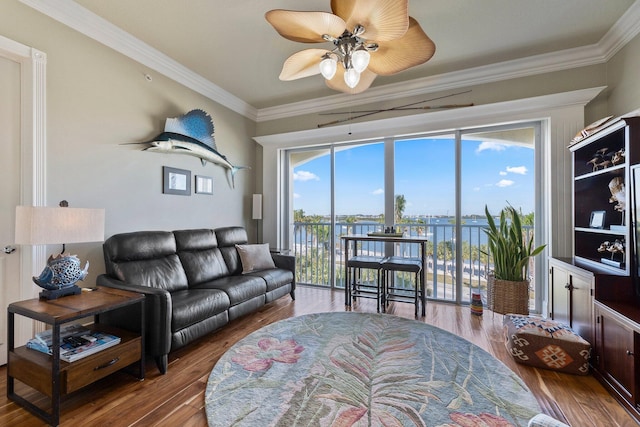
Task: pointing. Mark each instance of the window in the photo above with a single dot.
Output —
(435, 185)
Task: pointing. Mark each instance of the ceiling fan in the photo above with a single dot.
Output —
(370, 38)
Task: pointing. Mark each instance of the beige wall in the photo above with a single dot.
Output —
(623, 77)
(97, 100)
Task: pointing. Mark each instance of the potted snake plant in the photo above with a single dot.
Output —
(511, 250)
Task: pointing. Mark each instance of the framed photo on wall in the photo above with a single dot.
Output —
(204, 184)
(176, 181)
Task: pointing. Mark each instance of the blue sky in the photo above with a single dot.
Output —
(492, 174)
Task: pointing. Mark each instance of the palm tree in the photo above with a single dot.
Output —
(399, 206)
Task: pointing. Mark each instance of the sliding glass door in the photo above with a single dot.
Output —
(433, 185)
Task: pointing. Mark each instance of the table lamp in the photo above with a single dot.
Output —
(39, 225)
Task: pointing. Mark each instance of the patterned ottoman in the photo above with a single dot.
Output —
(547, 344)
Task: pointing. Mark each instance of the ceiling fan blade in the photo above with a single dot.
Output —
(337, 82)
(383, 20)
(414, 48)
(305, 27)
(302, 64)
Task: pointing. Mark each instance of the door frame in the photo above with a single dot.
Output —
(33, 142)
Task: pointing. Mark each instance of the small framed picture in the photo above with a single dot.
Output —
(597, 219)
(176, 181)
(204, 184)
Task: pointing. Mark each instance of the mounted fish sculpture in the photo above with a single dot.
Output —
(192, 134)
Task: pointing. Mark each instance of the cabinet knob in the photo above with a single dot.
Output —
(568, 286)
(629, 353)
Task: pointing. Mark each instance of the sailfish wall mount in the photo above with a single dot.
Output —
(192, 134)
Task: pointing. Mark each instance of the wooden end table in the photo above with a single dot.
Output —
(53, 377)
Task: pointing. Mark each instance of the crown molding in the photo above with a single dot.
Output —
(444, 120)
(623, 31)
(91, 25)
(86, 22)
(539, 64)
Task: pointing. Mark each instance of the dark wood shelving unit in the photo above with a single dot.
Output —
(596, 291)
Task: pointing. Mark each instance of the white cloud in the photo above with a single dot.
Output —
(504, 183)
(520, 170)
(489, 145)
(377, 192)
(296, 196)
(305, 176)
(502, 173)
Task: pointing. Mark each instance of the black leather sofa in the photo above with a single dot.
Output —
(193, 281)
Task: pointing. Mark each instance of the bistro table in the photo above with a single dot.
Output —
(380, 237)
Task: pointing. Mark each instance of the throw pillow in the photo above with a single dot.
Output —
(255, 257)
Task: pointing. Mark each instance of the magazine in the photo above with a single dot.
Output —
(46, 337)
(70, 353)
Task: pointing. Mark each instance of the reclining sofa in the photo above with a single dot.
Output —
(195, 282)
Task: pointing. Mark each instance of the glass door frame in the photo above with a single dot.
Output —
(539, 202)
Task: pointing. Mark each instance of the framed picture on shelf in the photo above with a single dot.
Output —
(204, 184)
(176, 181)
(597, 219)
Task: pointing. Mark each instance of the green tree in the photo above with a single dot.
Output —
(399, 207)
(298, 215)
(527, 219)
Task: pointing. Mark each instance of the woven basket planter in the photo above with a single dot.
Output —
(505, 296)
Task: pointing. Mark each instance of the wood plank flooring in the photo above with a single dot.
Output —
(177, 398)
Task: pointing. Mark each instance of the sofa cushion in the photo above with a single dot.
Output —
(228, 238)
(137, 246)
(161, 273)
(275, 277)
(200, 256)
(202, 266)
(238, 288)
(195, 240)
(255, 257)
(195, 305)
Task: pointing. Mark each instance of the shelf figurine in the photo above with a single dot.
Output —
(618, 195)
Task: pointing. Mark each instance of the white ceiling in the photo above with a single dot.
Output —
(229, 49)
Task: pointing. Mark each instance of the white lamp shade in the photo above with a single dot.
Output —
(351, 78)
(39, 225)
(360, 60)
(257, 206)
(328, 67)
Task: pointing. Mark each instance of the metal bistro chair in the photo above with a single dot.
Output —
(358, 289)
(391, 293)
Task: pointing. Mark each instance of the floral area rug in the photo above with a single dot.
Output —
(358, 369)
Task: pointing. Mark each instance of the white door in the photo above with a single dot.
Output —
(10, 174)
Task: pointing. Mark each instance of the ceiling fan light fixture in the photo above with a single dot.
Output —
(360, 60)
(351, 77)
(382, 26)
(328, 66)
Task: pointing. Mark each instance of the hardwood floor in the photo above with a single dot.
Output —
(177, 398)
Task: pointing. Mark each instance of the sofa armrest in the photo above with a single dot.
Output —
(287, 262)
(158, 307)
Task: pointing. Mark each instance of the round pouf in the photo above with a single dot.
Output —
(362, 369)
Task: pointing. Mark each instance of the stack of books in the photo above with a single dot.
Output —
(76, 342)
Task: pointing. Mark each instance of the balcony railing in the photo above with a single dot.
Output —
(315, 253)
